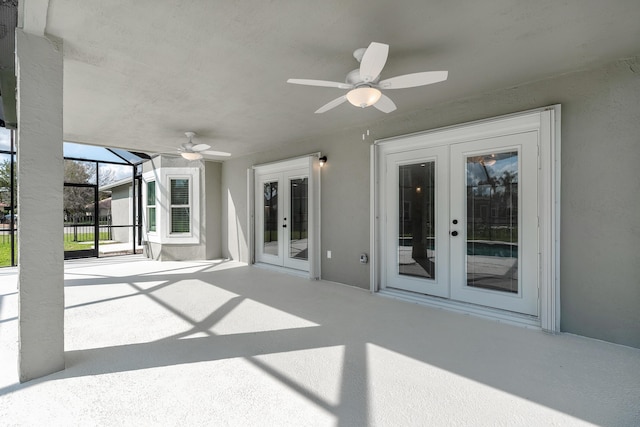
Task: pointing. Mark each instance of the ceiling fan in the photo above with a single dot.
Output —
(191, 151)
(364, 84)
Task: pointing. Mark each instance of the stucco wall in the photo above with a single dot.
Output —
(40, 177)
(166, 252)
(600, 262)
(213, 209)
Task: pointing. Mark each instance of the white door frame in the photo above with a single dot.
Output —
(312, 165)
(546, 121)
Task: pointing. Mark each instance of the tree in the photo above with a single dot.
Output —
(78, 201)
(6, 183)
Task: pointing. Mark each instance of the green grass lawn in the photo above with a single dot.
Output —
(85, 241)
(5, 252)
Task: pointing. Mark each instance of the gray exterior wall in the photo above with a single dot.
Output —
(600, 207)
(213, 209)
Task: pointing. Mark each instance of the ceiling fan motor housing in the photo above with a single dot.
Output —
(353, 78)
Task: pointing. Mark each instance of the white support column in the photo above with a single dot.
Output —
(40, 204)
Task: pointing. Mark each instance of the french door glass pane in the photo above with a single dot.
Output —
(492, 221)
(270, 218)
(416, 220)
(298, 242)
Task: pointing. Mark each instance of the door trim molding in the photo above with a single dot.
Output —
(547, 120)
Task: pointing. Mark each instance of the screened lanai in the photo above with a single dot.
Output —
(101, 201)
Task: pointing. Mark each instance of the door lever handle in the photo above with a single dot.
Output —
(454, 233)
(284, 225)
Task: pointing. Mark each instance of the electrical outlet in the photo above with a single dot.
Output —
(328, 254)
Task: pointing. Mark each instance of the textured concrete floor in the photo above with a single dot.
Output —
(202, 343)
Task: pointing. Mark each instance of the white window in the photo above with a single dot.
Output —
(180, 205)
(172, 213)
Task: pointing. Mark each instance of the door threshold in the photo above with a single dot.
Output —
(280, 269)
(523, 320)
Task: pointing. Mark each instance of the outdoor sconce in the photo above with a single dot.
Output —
(322, 160)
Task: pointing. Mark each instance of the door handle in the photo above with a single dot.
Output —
(284, 225)
(454, 233)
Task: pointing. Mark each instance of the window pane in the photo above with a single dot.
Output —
(180, 220)
(271, 218)
(416, 216)
(298, 242)
(492, 221)
(151, 216)
(151, 193)
(179, 191)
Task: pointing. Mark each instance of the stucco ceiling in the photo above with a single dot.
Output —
(140, 73)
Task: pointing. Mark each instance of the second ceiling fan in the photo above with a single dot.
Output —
(364, 84)
(191, 151)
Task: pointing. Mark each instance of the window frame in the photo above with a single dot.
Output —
(163, 177)
(172, 206)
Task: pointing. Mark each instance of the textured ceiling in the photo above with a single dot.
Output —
(139, 74)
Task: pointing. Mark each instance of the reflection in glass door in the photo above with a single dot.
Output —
(492, 221)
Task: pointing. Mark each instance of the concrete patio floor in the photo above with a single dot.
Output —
(222, 343)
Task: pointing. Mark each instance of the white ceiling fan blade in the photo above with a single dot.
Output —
(216, 153)
(200, 147)
(332, 104)
(321, 83)
(413, 80)
(373, 61)
(385, 104)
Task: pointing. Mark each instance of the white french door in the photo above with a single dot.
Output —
(494, 222)
(461, 221)
(417, 241)
(282, 218)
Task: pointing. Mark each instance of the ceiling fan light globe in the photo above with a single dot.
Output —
(191, 156)
(364, 96)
